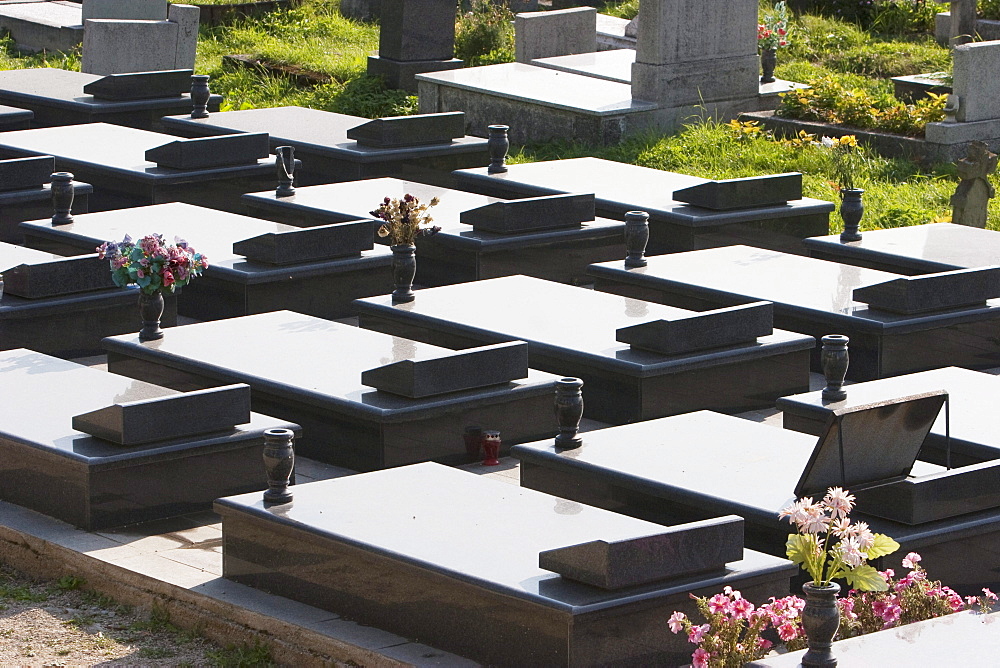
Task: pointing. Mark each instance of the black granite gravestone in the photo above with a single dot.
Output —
(37, 277)
(700, 465)
(531, 214)
(401, 131)
(621, 384)
(25, 173)
(291, 363)
(255, 266)
(701, 331)
(933, 292)
(205, 152)
(12, 118)
(34, 201)
(729, 194)
(57, 97)
(673, 224)
(817, 297)
(439, 540)
(328, 154)
(457, 253)
(141, 85)
(52, 467)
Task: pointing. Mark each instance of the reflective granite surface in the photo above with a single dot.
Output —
(914, 249)
(457, 565)
(314, 131)
(613, 65)
(89, 482)
(11, 256)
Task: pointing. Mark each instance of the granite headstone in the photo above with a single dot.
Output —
(141, 85)
(397, 131)
(204, 152)
(702, 331)
(309, 244)
(531, 214)
(933, 292)
(22, 173)
(728, 194)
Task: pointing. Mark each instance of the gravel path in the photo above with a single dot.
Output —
(57, 623)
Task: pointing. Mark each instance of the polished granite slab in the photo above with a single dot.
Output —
(14, 118)
(320, 141)
(309, 370)
(612, 65)
(232, 285)
(969, 422)
(17, 206)
(572, 331)
(699, 465)
(962, 639)
(457, 565)
(68, 322)
(914, 249)
(92, 483)
(673, 226)
(815, 297)
(112, 158)
(56, 97)
(458, 253)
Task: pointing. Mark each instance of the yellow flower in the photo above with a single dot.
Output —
(383, 231)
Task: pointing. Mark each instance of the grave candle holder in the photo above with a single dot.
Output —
(285, 164)
(636, 238)
(834, 359)
(569, 412)
(279, 460)
(62, 198)
(498, 145)
(491, 447)
(473, 437)
(199, 95)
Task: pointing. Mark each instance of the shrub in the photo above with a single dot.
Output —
(485, 35)
(989, 9)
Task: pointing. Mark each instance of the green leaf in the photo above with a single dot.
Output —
(798, 548)
(866, 578)
(883, 545)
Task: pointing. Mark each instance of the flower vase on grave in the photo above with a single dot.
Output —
(200, 95)
(279, 461)
(851, 211)
(150, 310)
(569, 412)
(404, 269)
(636, 238)
(834, 360)
(768, 61)
(491, 448)
(498, 144)
(820, 619)
(63, 194)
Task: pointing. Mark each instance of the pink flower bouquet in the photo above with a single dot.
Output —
(151, 264)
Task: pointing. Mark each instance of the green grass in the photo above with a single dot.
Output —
(256, 655)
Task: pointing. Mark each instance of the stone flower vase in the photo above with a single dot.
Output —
(820, 619)
(768, 61)
(851, 211)
(834, 360)
(404, 268)
(150, 310)
(279, 462)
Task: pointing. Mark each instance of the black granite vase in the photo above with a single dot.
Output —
(199, 96)
(851, 211)
(569, 412)
(150, 310)
(834, 360)
(636, 238)
(768, 61)
(498, 145)
(279, 460)
(820, 619)
(404, 268)
(284, 162)
(62, 198)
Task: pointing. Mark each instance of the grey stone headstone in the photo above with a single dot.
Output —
(22, 173)
(417, 30)
(170, 417)
(975, 81)
(933, 292)
(702, 331)
(743, 193)
(844, 455)
(532, 214)
(150, 10)
(418, 130)
(452, 371)
(560, 32)
(309, 244)
(682, 550)
(205, 152)
(141, 85)
(61, 276)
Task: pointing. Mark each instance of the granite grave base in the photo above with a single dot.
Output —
(17, 206)
(92, 483)
(436, 566)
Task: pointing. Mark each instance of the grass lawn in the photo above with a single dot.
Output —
(315, 37)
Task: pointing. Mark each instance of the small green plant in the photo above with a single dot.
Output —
(69, 583)
(485, 35)
(257, 655)
(156, 652)
(989, 9)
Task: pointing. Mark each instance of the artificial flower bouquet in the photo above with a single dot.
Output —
(151, 264)
(405, 220)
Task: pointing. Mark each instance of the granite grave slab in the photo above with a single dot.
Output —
(462, 250)
(914, 249)
(816, 297)
(25, 173)
(42, 25)
(573, 331)
(673, 225)
(141, 85)
(12, 118)
(966, 435)
(56, 97)
(63, 306)
(703, 464)
(207, 152)
(113, 159)
(473, 589)
(612, 65)
(255, 266)
(56, 468)
(321, 141)
(310, 370)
